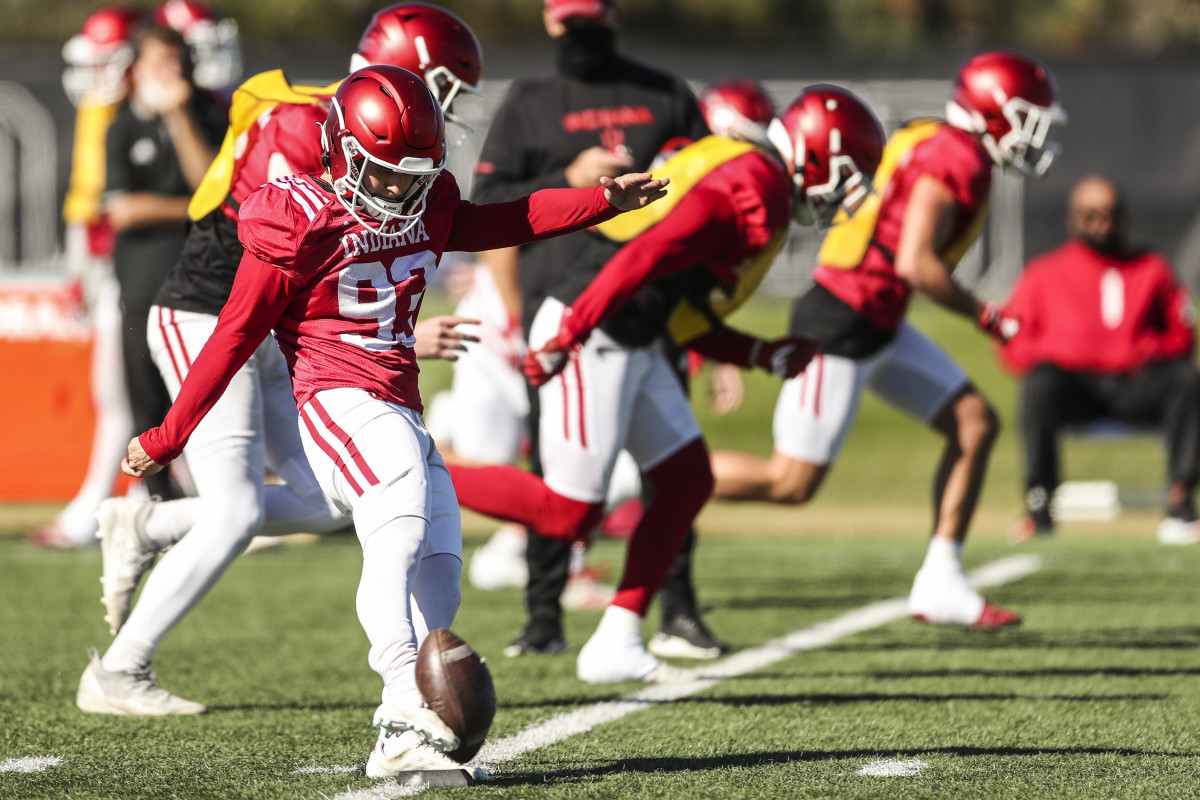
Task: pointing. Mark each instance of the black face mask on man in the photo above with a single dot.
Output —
(1100, 229)
(1106, 244)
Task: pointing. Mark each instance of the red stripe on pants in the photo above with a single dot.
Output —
(328, 450)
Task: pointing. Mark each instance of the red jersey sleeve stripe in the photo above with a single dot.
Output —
(312, 194)
(302, 201)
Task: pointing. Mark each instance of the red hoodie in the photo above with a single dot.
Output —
(1086, 311)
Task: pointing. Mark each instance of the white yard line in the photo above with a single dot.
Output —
(571, 723)
(31, 764)
(893, 768)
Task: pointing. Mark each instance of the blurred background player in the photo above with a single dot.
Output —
(931, 199)
(157, 150)
(1106, 330)
(598, 114)
(483, 419)
(98, 58)
(384, 196)
(690, 261)
(212, 41)
(738, 108)
(254, 424)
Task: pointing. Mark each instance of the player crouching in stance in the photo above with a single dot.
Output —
(932, 198)
(688, 264)
(337, 265)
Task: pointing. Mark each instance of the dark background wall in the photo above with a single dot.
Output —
(1132, 116)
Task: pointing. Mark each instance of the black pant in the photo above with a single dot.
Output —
(549, 560)
(1165, 393)
(148, 396)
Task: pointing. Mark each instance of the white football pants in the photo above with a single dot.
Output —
(251, 427)
(609, 397)
(110, 398)
(379, 464)
(816, 409)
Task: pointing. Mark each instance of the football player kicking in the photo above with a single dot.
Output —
(337, 265)
(254, 425)
(690, 262)
(933, 191)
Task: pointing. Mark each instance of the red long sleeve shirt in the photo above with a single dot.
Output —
(343, 300)
(728, 218)
(1085, 311)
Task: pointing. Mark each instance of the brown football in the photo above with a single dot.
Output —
(458, 686)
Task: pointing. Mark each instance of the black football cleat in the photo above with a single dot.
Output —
(537, 639)
(686, 636)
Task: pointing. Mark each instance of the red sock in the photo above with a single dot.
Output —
(515, 495)
(682, 485)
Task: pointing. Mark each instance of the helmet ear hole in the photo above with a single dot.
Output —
(325, 160)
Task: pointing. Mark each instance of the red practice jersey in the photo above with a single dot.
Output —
(342, 299)
(721, 225)
(958, 161)
(285, 130)
(1085, 311)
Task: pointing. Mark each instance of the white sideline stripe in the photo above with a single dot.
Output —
(581, 720)
(893, 768)
(335, 769)
(32, 764)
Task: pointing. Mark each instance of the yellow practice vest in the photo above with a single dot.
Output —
(686, 169)
(250, 101)
(82, 204)
(847, 242)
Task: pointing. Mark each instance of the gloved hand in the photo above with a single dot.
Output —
(996, 324)
(551, 358)
(785, 358)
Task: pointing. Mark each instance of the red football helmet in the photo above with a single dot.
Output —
(739, 109)
(212, 39)
(1010, 101)
(100, 54)
(831, 143)
(429, 41)
(387, 116)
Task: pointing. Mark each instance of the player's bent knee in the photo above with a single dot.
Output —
(565, 518)
(792, 491)
(977, 421)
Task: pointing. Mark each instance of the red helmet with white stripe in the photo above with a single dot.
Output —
(739, 109)
(1010, 102)
(100, 54)
(386, 116)
(212, 39)
(429, 41)
(832, 144)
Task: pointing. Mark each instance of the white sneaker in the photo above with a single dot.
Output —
(125, 555)
(941, 596)
(500, 564)
(1174, 531)
(403, 751)
(605, 659)
(424, 722)
(134, 694)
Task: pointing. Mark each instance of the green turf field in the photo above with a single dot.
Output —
(1095, 696)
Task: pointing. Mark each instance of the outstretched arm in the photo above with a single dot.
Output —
(549, 213)
(260, 294)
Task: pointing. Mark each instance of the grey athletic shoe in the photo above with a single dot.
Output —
(135, 694)
(125, 555)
